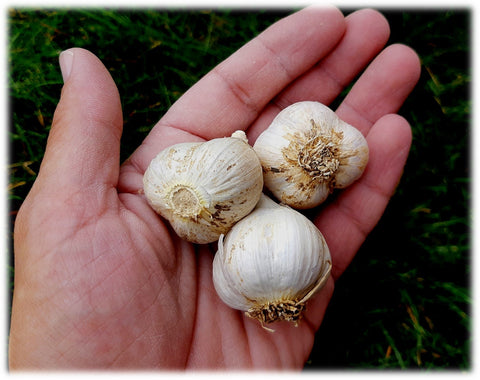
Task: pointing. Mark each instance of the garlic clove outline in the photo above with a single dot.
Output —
(307, 151)
(270, 263)
(203, 188)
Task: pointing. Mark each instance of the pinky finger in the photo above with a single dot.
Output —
(347, 221)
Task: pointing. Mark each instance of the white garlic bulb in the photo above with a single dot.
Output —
(307, 151)
(202, 189)
(270, 263)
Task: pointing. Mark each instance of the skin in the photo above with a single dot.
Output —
(101, 282)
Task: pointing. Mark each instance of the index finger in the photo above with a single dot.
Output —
(235, 92)
(231, 96)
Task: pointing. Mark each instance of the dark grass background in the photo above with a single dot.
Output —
(404, 303)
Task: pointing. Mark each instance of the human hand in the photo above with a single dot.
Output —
(100, 279)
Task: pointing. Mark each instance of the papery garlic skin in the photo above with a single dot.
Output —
(307, 151)
(202, 189)
(270, 263)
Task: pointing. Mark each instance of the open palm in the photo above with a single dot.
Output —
(100, 279)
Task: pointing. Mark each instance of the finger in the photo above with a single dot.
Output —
(349, 219)
(83, 145)
(382, 88)
(366, 33)
(231, 96)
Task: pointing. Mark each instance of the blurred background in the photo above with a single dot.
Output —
(405, 301)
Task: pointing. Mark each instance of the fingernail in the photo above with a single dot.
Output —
(66, 63)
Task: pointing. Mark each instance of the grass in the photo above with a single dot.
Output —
(404, 303)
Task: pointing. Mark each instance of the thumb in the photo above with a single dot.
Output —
(83, 147)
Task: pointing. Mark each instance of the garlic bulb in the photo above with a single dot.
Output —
(307, 151)
(270, 263)
(202, 189)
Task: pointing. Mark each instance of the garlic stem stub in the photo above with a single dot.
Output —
(270, 263)
(307, 151)
(202, 189)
